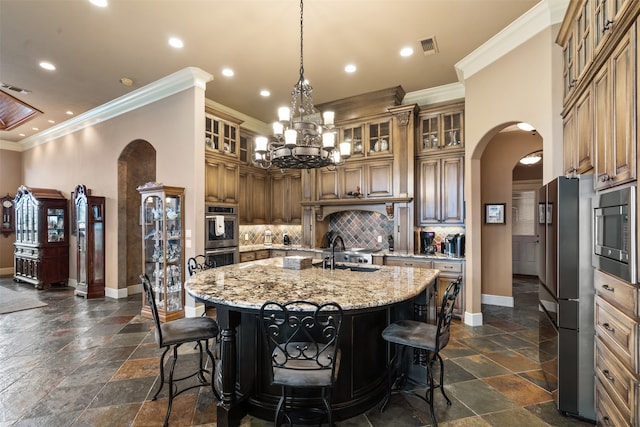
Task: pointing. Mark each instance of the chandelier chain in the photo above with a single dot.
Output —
(301, 43)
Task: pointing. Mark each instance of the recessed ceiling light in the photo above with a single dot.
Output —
(265, 93)
(176, 42)
(99, 3)
(35, 128)
(21, 134)
(51, 121)
(525, 126)
(350, 68)
(406, 51)
(227, 72)
(47, 66)
(126, 81)
(70, 113)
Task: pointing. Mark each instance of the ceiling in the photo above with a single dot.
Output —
(94, 48)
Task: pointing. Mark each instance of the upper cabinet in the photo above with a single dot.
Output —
(221, 136)
(600, 77)
(368, 139)
(440, 130)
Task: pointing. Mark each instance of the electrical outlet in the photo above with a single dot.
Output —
(246, 236)
(379, 239)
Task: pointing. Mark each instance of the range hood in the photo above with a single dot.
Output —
(384, 206)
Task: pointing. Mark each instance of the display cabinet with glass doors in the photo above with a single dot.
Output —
(8, 215)
(163, 248)
(90, 224)
(41, 249)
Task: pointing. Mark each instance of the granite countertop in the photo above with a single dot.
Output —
(436, 256)
(249, 285)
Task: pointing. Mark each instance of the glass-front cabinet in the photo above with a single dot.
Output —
(163, 248)
(8, 215)
(90, 222)
(41, 249)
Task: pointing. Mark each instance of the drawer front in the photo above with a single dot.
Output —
(617, 292)
(408, 262)
(619, 383)
(607, 415)
(619, 332)
(247, 256)
(277, 253)
(262, 254)
(448, 267)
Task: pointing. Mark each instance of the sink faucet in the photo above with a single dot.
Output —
(332, 243)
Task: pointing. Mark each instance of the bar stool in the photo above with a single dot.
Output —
(423, 336)
(171, 335)
(302, 343)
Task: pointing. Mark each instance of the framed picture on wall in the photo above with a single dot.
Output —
(494, 213)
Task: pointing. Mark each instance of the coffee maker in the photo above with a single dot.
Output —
(427, 243)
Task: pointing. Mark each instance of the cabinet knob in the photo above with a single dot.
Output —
(609, 328)
(607, 421)
(607, 26)
(572, 83)
(608, 288)
(605, 178)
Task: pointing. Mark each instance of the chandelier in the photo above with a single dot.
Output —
(302, 137)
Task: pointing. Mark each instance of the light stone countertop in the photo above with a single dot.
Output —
(401, 254)
(248, 285)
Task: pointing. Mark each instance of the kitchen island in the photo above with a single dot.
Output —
(371, 297)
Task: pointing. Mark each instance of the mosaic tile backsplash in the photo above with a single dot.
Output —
(360, 229)
(254, 234)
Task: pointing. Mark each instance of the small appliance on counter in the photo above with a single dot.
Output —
(267, 237)
(286, 240)
(427, 242)
(449, 246)
(460, 240)
(390, 240)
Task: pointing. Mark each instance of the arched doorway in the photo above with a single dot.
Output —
(136, 166)
(498, 159)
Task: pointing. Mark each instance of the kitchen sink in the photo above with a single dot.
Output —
(365, 269)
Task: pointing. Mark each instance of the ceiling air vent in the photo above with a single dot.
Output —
(14, 88)
(429, 45)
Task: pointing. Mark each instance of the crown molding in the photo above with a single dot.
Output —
(435, 94)
(162, 88)
(248, 122)
(535, 20)
(10, 145)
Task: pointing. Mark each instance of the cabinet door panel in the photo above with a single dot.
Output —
(623, 72)
(429, 188)
(295, 197)
(569, 145)
(602, 114)
(352, 179)
(259, 201)
(212, 187)
(229, 183)
(278, 199)
(244, 214)
(452, 193)
(380, 180)
(584, 129)
(327, 184)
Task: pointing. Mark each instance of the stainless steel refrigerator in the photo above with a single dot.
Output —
(566, 293)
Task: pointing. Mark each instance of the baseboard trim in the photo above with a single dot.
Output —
(7, 271)
(473, 319)
(117, 293)
(497, 300)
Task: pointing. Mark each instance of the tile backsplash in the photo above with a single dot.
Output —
(254, 234)
(360, 229)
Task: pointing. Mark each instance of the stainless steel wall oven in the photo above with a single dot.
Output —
(221, 227)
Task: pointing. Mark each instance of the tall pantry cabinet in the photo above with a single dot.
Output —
(600, 41)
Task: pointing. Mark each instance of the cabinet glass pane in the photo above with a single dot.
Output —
(355, 136)
(379, 137)
(55, 225)
(98, 251)
(430, 133)
(452, 126)
(81, 218)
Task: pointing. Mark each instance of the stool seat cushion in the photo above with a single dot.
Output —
(301, 372)
(190, 329)
(415, 334)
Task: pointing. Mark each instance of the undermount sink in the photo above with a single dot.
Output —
(364, 269)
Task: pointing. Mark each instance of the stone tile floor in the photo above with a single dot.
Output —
(94, 363)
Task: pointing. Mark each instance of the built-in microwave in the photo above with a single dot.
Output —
(614, 233)
(221, 226)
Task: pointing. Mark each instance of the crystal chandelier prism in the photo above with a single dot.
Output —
(302, 137)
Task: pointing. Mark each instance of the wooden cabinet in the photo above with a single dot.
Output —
(247, 256)
(221, 180)
(615, 116)
(606, 15)
(578, 136)
(163, 248)
(440, 130)
(41, 249)
(440, 189)
(449, 272)
(7, 205)
(403, 261)
(617, 365)
(363, 179)
(90, 228)
(254, 196)
(222, 135)
(369, 139)
(286, 195)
